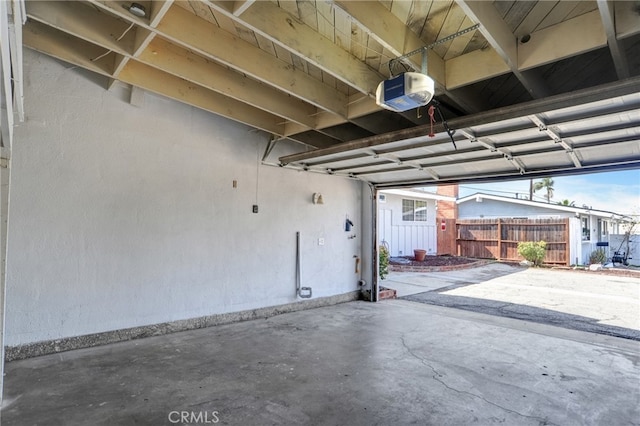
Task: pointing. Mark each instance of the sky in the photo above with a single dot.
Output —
(617, 192)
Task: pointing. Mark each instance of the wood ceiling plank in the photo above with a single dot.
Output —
(558, 14)
(501, 38)
(181, 90)
(359, 38)
(534, 18)
(290, 6)
(80, 20)
(283, 28)
(326, 28)
(393, 34)
(374, 53)
(518, 13)
(210, 41)
(181, 63)
(452, 24)
(315, 72)
(459, 44)
(343, 29)
(219, 45)
(584, 6)
(402, 9)
(224, 22)
(435, 21)
(580, 34)
(283, 54)
(200, 10)
(53, 42)
(178, 61)
(503, 7)
(473, 67)
(329, 80)
(418, 15)
(266, 45)
(308, 13)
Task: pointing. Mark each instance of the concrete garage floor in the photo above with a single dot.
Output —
(390, 363)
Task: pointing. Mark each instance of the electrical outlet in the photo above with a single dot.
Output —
(255, 208)
(320, 241)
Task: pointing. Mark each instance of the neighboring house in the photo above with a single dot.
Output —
(587, 227)
(407, 220)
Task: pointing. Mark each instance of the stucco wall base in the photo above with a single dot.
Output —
(47, 347)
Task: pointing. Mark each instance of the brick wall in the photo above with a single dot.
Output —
(447, 211)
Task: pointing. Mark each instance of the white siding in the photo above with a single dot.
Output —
(405, 236)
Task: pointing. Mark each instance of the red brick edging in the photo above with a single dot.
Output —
(412, 268)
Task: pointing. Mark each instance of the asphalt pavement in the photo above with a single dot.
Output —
(588, 301)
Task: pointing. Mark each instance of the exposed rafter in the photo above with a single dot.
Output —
(395, 36)
(307, 70)
(497, 33)
(618, 55)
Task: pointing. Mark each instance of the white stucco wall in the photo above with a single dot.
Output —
(123, 216)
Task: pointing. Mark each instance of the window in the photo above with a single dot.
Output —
(414, 211)
(586, 235)
(602, 227)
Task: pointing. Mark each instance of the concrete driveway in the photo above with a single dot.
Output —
(588, 301)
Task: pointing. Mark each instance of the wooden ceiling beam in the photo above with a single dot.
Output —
(615, 47)
(79, 52)
(286, 30)
(240, 6)
(500, 37)
(578, 35)
(183, 28)
(180, 62)
(394, 35)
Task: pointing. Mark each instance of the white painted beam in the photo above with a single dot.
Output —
(615, 47)
(240, 6)
(498, 34)
(578, 35)
(473, 67)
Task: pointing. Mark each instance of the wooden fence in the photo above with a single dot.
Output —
(499, 238)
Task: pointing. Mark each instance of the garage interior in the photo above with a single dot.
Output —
(162, 166)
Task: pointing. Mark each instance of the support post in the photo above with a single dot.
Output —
(5, 161)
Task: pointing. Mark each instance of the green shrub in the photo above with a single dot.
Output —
(597, 256)
(383, 263)
(532, 251)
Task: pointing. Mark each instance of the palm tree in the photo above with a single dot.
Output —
(567, 203)
(547, 184)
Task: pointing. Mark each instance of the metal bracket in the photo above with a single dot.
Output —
(424, 49)
(270, 145)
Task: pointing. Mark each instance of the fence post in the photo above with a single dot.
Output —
(500, 239)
